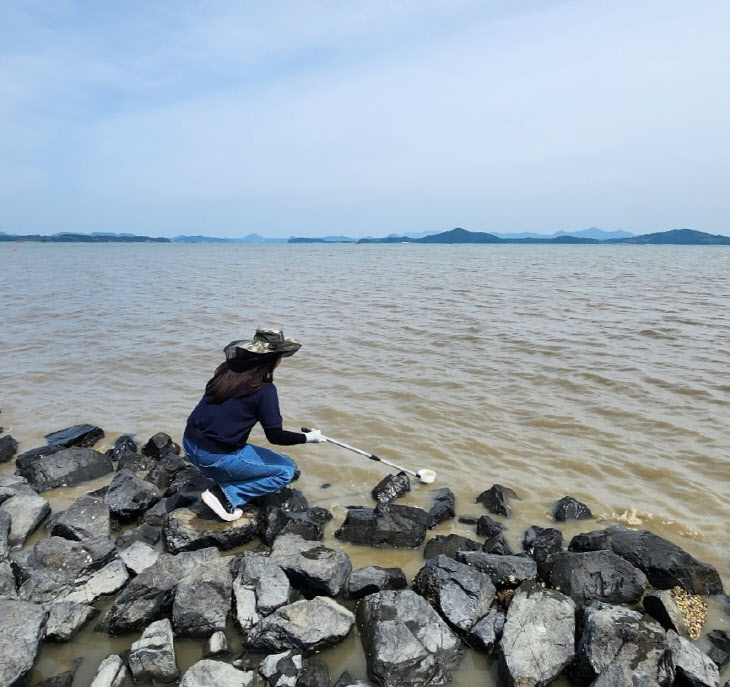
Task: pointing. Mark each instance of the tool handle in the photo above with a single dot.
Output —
(347, 446)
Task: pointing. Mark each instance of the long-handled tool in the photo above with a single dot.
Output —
(426, 476)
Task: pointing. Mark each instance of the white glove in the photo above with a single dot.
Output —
(314, 436)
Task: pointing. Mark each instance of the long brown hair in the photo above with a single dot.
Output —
(226, 383)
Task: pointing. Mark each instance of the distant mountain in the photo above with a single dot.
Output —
(69, 237)
(459, 235)
(250, 238)
(321, 239)
(677, 237)
(591, 233)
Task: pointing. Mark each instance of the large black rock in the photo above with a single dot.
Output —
(123, 445)
(85, 517)
(460, 593)
(164, 471)
(443, 508)
(82, 436)
(159, 445)
(188, 529)
(489, 528)
(66, 618)
(596, 576)
(449, 545)
(506, 572)
(569, 508)
(691, 666)
(664, 563)
(27, 511)
(8, 448)
(129, 496)
(496, 499)
(64, 468)
(203, 600)
(21, 631)
(373, 579)
(391, 487)
(308, 525)
(152, 656)
(406, 642)
(541, 542)
(385, 525)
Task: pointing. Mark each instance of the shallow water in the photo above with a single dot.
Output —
(594, 371)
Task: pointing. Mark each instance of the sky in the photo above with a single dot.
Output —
(356, 118)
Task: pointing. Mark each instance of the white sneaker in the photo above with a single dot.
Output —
(218, 502)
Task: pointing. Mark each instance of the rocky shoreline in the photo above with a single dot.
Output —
(614, 607)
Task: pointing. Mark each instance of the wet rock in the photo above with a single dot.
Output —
(538, 639)
(164, 471)
(156, 515)
(443, 508)
(267, 580)
(65, 468)
(373, 579)
(619, 646)
(189, 480)
(391, 487)
(662, 606)
(5, 523)
(135, 462)
(209, 673)
(348, 680)
(282, 670)
(8, 587)
(541, 542)
(27, 512)
(385, 525)
(468, 519)
(188, 529)
(496, 498)
(138, 557)
(153, 655)
(21, 632)
(27, 458)
(485, 635)
(64, 679)
(720, 651)
(449, 545)
(406, 642)
(85, 517)
(129, 496)
(123, 445)
(489, 528)
(112, 672)
(461, 594)
(312, 568)
(308, 525)
(159, 445)
(505, 572)
(202, 601)
(287, 499)
(244, 600)
(691, 666)
(497, 545)
(664, 563)
(569, 508)
(66, 618)
(8, 448)
(149, 596)
(145, 533)
(595, 576)
(81, 436)
(217, 645)
(315, 673)
(58, 569)
(308, 625)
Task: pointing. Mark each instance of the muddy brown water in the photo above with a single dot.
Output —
(593, 371)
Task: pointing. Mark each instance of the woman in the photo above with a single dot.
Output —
(240, 394)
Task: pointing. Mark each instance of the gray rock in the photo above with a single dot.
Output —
(385, 525)
(720, 651)
(58, 569)
(406, 642)
(443, 508)
(164, 471)
(489, 528)
(496, 499)
(27, 458)
(449, 545)
(373, 579)
(662, 606)
(315, 673)
(348, 680)
(64, 679)
(112, 672)
(461, 594)
(78, 435)
(149, 596)
(265, 578)
(138, 557)
(287, 499)
(498, 545)
(159, 445)
(244, 600)
(595, 576)
(569, 508)
(202, 601)
(85, 517)
(65, 468)
(282, 670)
(189, 529)
(665, 564)
(391, 487)
(66, 618)
(145, 533)
(21, 632)
(312, 568)
(620, 644)
(209, 673)
(691, 666)
(541, 542)
(538, 639)
(308, 626)
(506, 572)
(153, 655)
(123, 445)
(8, 448)
(129, 496)
(485, 635)
(5, 523)
(217, 645)
(27, 512)
(308, 525)
(8, 587)
(135, 462)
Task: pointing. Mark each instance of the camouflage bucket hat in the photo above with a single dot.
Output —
(265, 343)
